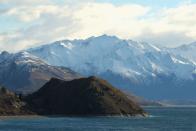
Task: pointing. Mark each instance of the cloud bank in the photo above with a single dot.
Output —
(46, 21)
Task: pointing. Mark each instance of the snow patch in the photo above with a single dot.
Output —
(67, 45)
(156, 48)
(175, 60)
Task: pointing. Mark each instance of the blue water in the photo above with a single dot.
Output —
(161, 119)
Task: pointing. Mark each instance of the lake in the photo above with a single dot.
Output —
(160, 119)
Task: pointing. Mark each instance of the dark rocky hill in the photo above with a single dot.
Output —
(84, 96)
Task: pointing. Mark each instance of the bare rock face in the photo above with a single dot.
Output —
(84, 96)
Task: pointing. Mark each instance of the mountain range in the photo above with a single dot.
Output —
(143, 68)
(186, 51)
(138, 67)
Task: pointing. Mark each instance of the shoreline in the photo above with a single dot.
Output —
(171, 106)
(55, 116)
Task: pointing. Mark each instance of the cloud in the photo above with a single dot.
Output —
(96, 19)
(24, 2)
(171, 27)
(14, 42)
(165, 39)
(30, 14)
(49, 21)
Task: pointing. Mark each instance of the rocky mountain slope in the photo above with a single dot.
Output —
(143, 68)
(23, 72)
(84, 96)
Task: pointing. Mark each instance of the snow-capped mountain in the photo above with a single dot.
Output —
(140, 67)
(24, 72)
(186, 51)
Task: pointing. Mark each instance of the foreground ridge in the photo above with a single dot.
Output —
(84, 96)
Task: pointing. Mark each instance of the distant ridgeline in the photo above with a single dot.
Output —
(84, 96)
(25, 73)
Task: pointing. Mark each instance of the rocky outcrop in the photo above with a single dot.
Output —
(11, 104)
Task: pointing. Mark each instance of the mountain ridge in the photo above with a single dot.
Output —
(187, 51)
(23, 72)
(129, 65)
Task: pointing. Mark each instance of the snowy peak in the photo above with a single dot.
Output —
(186, 51)
(186, 48)
(131, 59)
(103, 39)
(24, 72)
(20, 58)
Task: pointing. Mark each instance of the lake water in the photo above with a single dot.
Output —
(161, 119)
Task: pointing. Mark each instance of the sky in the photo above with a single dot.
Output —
(30, 23)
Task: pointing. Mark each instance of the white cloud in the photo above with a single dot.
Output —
(24, 2)
(97, 19)
(173, 26)
(165, 39)
(51, 21)
(180, 18)
(29, 14)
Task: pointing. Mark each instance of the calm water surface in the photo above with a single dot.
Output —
(161, 119)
